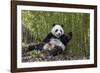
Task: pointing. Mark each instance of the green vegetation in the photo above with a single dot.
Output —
(37, 24)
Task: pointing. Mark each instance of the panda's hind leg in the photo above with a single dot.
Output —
(38, 46)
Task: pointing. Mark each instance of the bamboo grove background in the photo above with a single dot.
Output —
(37, 24)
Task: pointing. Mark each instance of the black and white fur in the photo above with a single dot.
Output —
(55, 42)
(57, 38)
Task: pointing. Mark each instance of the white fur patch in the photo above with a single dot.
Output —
(57, 42)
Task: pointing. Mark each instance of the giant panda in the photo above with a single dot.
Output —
(56, 40)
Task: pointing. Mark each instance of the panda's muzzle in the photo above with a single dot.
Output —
(58, 34)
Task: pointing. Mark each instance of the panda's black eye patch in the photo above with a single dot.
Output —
(56, 30)
(61, 31)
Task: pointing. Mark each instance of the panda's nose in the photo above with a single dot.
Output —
(58, 34)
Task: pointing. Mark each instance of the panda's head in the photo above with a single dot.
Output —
(57, 30)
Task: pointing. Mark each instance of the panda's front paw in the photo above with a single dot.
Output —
(70, 33)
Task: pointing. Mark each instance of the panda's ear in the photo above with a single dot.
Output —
(62, 25)
(53, 24)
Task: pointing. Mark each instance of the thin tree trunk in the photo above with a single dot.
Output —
(84, 36)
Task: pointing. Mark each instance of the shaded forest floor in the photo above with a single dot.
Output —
(35, 56)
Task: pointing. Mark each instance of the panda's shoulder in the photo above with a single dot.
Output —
(50, 34)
